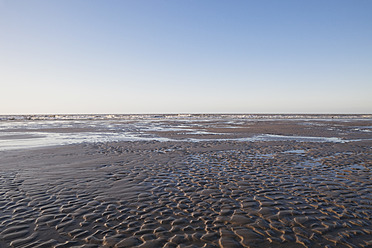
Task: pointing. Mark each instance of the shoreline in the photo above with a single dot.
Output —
(36, 133)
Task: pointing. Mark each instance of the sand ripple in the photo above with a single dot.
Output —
(214, 194)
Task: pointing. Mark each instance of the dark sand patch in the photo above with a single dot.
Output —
(20, 136)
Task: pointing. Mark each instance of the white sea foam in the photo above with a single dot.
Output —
(328, 117)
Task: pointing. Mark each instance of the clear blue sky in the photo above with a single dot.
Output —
(193, 56)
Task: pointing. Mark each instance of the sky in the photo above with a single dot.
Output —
(185, 56)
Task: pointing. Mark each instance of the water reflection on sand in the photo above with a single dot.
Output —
(61, 130)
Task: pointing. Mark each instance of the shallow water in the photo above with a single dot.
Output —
(19, 132)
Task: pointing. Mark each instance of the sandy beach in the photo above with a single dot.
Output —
(261, 183)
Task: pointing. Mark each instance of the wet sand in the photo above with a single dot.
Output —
(191, 194)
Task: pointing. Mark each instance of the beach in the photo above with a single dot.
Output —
(189, 181)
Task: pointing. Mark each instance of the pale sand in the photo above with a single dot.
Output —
(184, 194)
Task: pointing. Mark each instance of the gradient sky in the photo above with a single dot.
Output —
(191, 56)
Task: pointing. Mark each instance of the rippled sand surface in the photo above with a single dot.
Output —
(188, 194)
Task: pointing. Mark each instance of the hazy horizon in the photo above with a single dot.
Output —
(181, 57)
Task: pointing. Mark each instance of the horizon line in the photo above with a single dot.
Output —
(193, 113)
